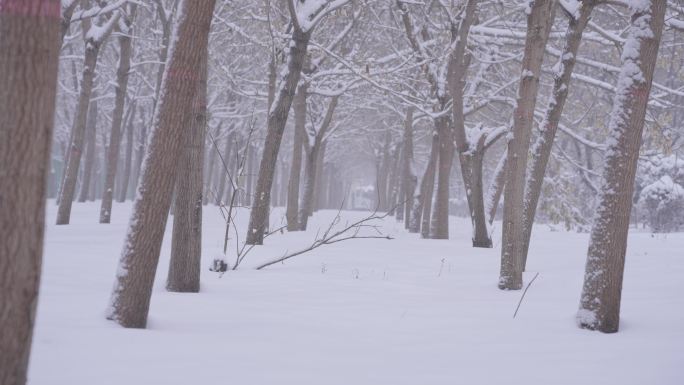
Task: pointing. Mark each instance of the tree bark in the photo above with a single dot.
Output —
(135, 276)
(128, 161)
(470, 154)
(89, 160)
(541, 150)
(125, 48)
(601, 294)
(419, 200)
(409, 176)
(221, 172)
(313, 152)
(29, 42)
(539, 22)
(211, 162)
(77, 136)
(186, 244)
(276, 124)
(440, 224)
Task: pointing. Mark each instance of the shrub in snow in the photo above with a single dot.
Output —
(663, 201)
(219, 264)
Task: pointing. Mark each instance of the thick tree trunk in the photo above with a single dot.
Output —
(476, 203)
(128, 161)
(539, 22)
(29, 47)
(541, 150)
(186, 244)
(89, 160)
(276, 124)
(440, 224)
(602, 290)
(117, 116)
(131, 296)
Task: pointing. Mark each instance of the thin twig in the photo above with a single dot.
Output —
(523, 294)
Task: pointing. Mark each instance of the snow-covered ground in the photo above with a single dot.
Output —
(406, 311)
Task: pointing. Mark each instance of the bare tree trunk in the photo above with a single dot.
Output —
(320, 160)
(394, 179)
(211, 162)
(470, 159)
(541, 150)
(228, 149)
(409, 177)
(539, 22)
(495, 189)
(128, 161)
(276, 124)
(426, 181)
(139, 156)
(249, 158)
(602, 290)
(29, 43)
(91, 141)
(131, 296)
(117, 115)
(382, 174)
(68, 190)
(310, 168)
(429, 187)
(440, 224)
(186, 244)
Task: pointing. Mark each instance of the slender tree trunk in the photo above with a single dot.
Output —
(539, 22)
(249, 158)
(382, 173)
(77, 136)
(317, 195)
(440, 225)
(276, 124)
(299, 106)
(221, 173)
(128, 162)
(409, 177)
(495, 189)
(602, 290)
(140, 155)
(310, 168)
(467, 152)
(125, 48)
(186, 244)
(89, 160)
(131, 296)
(211, 162)
(541, 150)
(428, 179)
(29, 47)
(429, 188)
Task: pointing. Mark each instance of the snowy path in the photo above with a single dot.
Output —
(406, 311)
